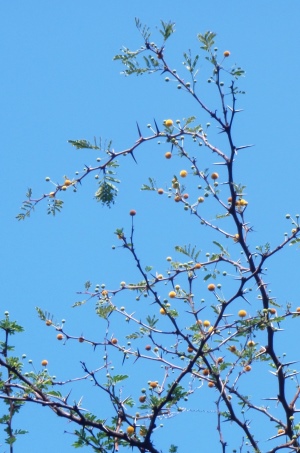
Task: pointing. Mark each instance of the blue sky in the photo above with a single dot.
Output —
(59, 82)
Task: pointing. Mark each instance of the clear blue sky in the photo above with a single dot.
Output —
(58, 82)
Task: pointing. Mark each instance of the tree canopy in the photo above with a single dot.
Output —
(206, 322)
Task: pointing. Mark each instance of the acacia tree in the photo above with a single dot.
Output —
(217, 353)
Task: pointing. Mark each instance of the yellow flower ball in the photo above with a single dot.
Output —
(242, 313)
(130, 430)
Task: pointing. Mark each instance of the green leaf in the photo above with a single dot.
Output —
(222, 216)
(87, 285)
(43, 315)
(173, 449)
(118, 378)
(190, 62)
(104, 311)
(10, 327)
(188, 251)
(207, 40)
(140, 286)
(82, 144)
(151, 62)
(134, 336)
(237, 72)
(189, 120)
(27, 206)
(151, 320)
(29, 192)
(128, 58)
(144, 30)
(294, 241)
(151, 186)
(54, 393)
(167, 29)
(119, 232)
(79, 303)
(224, 251)
(106, 193)
(54, 206)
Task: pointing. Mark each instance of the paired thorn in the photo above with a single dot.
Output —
(157, 130)
(132, 155)
(138, 355)
(139, 131)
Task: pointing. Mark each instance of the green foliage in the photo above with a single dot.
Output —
(87, 437)
(207, 40)
(223, 250)
(139, 287)
(191, 63)
(83, 144)
(152, 185)
(118, 378)
(10, 327)
(237, 72)
(167, 29)
(43, 315)
(193, 130)
(128, 59)
(104, 311)
(107, 191)
(13, 366)
(27, 206)
(55, 206)
(189, 251)
(151, 63)
(151, 321)
(173, 449)
(143, 29)
(294, 241)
